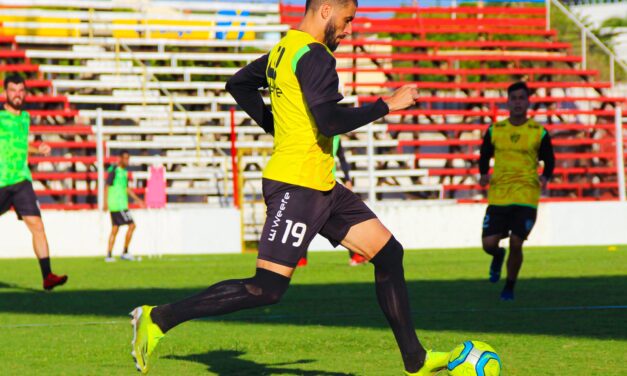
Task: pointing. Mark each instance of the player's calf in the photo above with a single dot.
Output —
(265, 288)
(394, 302)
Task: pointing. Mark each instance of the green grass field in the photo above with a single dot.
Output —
(328, 323)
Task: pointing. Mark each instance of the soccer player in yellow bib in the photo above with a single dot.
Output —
(516, 144)
(300, 190)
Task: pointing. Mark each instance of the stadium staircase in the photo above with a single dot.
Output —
(462, 59)
(158, 69)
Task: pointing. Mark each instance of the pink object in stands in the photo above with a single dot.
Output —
(155, 188)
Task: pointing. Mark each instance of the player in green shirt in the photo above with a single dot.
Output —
(117, 192)
(16, 187)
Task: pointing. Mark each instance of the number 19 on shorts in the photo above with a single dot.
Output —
(294, 230)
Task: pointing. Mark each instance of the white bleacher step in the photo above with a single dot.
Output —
(261, 44)
(113, 78)
(400, 188)
(98, 64)
(112, 81)
(189, 153)
(87, 48)
(135, 93)
(161, 123)
(148, 108)
(178, 127)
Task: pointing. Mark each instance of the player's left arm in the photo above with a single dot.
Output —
(43, 149)
(546, 154)
(319, 83)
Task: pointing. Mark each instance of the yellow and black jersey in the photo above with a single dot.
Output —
(516, 150)
(304, 114)
(302, 155)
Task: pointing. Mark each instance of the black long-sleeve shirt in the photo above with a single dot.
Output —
(318, 81)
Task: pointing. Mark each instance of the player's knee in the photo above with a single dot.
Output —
(489, 245)
(516, 243)
(132, 227)
(35, 225)
(389, 259)
(267, 286)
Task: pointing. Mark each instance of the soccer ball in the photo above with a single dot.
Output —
(474, 358)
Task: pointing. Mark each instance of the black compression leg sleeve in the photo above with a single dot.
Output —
(394, 301)
(264, 288)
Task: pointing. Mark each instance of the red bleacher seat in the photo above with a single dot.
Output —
(19, 68)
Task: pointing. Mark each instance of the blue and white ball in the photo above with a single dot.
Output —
(474, 358)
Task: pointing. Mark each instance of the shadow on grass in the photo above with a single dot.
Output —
(4, 285)
(579, 307)
(228, 362)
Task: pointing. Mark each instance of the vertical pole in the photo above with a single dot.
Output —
(100, 159)
(584, 49)
(612, 64)
(548, 14)
(234, 167)
(620, 159)
(372, 197)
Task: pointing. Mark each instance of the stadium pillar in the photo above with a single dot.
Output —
(620, 159)
(234, 166)
(100, 158)
(372, 197)
(548, 14)
(584, 48)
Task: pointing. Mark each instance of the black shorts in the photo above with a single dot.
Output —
(21, 197)
(514, 219)
(296, 214)
(121, 218)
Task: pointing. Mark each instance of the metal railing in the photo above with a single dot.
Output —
(585, 34)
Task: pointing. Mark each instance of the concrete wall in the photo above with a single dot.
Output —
(448, 225)
(211, 230)
(85, 233)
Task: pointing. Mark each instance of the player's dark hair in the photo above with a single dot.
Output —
(124, 151)
(14, 79)
(518, 86)
(315, 4)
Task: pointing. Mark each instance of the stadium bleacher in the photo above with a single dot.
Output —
(159, 74)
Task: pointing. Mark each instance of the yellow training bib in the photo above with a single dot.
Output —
(302, 155)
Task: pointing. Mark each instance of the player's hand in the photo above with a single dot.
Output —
(543, 181)
(348, 184)
(44, 149)
(484, 180)
(142, 204)
(402, 98)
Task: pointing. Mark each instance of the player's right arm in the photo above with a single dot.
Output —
(244, 87)
(485, 154)
(319, 83)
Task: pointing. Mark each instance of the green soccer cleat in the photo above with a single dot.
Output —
(434, 363)
(146, 335)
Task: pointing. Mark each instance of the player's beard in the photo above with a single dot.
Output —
(330, 35)
(15, 104)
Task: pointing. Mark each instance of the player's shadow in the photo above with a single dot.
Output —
(591, 307)
(229, 362)
(12, 286)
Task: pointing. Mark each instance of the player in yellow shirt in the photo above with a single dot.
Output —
(516, 144)
(300, 190)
